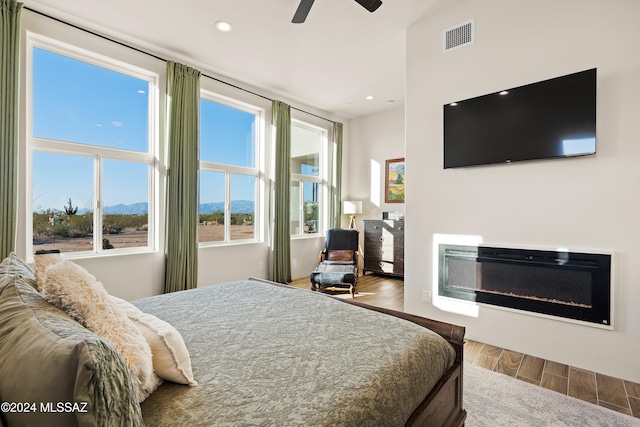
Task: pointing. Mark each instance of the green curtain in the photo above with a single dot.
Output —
(281, 123)
(181, 245)
(335, 177)
(9, 60)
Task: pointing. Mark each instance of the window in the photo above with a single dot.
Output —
(92, 147)
(308, 178)
(229, 172)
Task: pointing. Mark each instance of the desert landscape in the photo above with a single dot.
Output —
(132, 238)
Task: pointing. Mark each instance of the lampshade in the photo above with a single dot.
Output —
(351, 207)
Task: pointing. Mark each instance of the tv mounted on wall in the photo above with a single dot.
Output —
(550, 119)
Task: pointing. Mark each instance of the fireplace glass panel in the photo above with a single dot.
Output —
(544, 283)
(462, 273)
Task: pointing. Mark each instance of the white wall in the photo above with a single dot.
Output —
(370, 142)
(128, 276)
(304, 255)
(581, 203)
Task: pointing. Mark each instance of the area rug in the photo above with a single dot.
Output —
(493, 400)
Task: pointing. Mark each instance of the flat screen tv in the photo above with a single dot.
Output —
(549, 119)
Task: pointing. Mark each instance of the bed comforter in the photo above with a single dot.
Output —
(266, 355)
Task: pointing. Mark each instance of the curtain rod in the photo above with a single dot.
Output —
(163, 59)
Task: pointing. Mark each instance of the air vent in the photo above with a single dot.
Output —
(459, 36)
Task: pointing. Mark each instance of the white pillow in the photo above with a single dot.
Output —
(42, 261)
(74, 290)
(171, 359)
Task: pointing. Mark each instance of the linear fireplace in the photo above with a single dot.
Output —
(566, 284)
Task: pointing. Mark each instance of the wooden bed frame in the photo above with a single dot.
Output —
(443, 404)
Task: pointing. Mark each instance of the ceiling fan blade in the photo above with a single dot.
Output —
(302, 11)
(370, 5)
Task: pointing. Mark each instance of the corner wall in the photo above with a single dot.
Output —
(587, 203)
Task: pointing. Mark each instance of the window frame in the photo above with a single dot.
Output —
(97, 153)
(228, 170)
(322, 179)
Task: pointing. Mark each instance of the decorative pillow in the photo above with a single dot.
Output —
(47, 357)
(77, 292)
(340, 255)
(44, 259)
(13, 266)
(171, 359)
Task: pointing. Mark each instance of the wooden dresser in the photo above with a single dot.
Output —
(384, 247)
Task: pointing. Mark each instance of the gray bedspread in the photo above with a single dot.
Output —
(265, 355)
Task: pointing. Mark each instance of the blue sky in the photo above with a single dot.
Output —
(78, 102)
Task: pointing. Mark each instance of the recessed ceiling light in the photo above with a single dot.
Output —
(224, 26)
(369, 97)
(453, 104)
(504, 92)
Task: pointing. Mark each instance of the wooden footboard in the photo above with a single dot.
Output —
(443, 405)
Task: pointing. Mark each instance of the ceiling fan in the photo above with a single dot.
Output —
(305, 6)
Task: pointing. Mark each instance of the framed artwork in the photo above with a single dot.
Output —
(394, 181)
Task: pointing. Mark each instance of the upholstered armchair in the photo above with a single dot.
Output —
(338, 262)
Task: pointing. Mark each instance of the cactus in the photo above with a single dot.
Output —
(70, 210)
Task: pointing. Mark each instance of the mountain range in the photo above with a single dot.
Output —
(237, 206)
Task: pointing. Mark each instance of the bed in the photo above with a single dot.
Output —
(268, 354)
(262, 354)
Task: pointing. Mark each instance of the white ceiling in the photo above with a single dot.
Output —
(341, 54)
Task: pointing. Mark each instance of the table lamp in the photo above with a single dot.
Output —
(353, 208)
